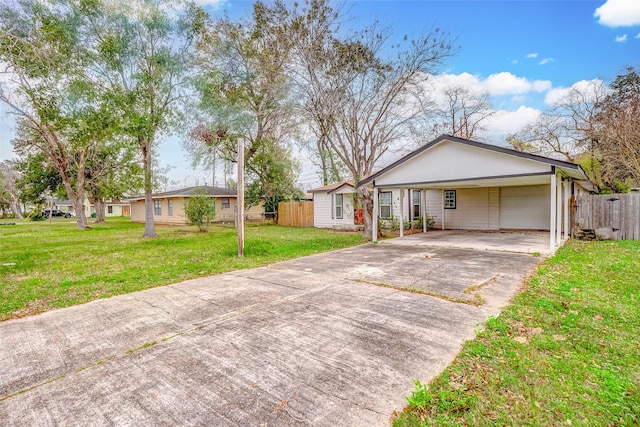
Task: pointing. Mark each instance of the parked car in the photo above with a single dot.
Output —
(56, 212)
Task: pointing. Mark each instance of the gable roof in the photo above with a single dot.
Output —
(542, 159)
(332, 187)
(192, 191)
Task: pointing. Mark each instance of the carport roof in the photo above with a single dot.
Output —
(567, 168)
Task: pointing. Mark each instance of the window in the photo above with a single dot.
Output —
(226, 203)
(157, 209)
(338, 206)
(449, 199)
(416, 203)
(170, 207)
(384, 201)
(110, 209)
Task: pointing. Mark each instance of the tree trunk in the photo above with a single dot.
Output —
(366, 201)
(100, 207)
(14, 204)
(149, 228)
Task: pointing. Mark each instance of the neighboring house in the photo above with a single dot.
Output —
(168, 207)
(466, 184)
(333, 206)
(66, 206)
(113, 208)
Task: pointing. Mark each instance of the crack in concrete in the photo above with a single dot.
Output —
(222, 318)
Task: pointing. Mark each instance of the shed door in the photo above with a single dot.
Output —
(525, 208)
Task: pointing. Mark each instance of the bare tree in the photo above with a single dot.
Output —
(618, 131)
(359, 100)
(463, 112)
(568, 128)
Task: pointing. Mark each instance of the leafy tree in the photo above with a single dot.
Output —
(200, 210)
(113, 170)
(245, 94)
(9, 189)
(37, 178)
(142, 53)
(41, 46)
(275, 179)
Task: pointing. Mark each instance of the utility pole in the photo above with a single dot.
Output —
(240, 199)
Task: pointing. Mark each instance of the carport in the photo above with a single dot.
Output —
(524, 242)
(469, 185)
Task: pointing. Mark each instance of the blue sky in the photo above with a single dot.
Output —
(524, 53)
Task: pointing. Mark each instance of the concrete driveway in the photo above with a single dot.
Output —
(327, 340)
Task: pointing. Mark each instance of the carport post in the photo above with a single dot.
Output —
(442, 202)
(374, 216)
(552, 214)
(559, 211)
(401, 212)
(423, 199)
(567, 196)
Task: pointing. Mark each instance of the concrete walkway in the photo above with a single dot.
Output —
(313, 341)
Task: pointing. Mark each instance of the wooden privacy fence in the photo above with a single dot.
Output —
(618, 212)
(295, 214)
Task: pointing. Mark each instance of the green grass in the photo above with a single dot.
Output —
(566, 352)
(47, 265)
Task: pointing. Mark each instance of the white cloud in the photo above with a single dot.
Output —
(504, 122)
(507, 84)
(499, 84)
(619, 13)
(545, 61)
(541, 85)
(592, 89)
(638, 36)
(622, 38)
(531, 55)
(216, 4)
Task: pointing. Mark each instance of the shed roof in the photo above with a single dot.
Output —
(332, 187)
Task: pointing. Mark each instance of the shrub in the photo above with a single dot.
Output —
(200, 210)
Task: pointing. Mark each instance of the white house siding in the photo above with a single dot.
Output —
(116, 210)
(323, 217)
(525, 208)
(434, 207)
(322, 210)
(494, 208)
(472, 212)
(453, 161)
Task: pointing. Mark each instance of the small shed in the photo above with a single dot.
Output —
(333, 206)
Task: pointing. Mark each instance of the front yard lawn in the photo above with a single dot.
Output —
(43, 265)
(566, 352)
